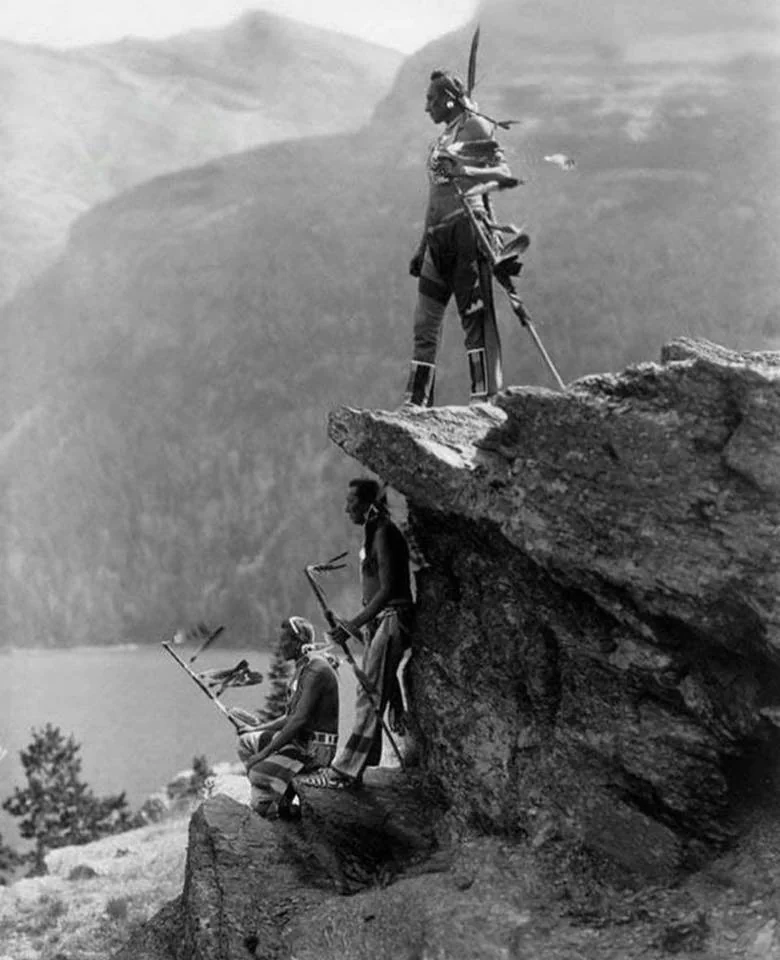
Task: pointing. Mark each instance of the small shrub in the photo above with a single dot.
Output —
(116, 909)
(153, 810)
(201, 772)
(9, 861)
(50, 909)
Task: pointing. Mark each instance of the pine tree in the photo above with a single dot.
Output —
(276, 700)
(57, 808)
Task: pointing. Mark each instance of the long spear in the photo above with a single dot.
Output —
(333, 622)
(504, 267)
(500, 265)
(206, 643)
(166, 645)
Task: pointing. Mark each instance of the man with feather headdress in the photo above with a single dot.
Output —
(447, 261)
(304, 738)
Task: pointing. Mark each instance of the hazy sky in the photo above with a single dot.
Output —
(405, 24)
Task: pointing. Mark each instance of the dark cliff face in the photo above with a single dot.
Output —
(597, 648)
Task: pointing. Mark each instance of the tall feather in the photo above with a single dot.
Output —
(471, 76)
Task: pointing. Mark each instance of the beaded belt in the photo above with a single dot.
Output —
(329, 739)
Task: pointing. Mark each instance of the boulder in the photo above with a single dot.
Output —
(595, 679)
(597, 647)
(246, 876)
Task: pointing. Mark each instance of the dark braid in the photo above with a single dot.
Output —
(372, 493)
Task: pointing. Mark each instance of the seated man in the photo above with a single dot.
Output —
(304, 738)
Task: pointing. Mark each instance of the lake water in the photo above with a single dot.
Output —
(137, 715)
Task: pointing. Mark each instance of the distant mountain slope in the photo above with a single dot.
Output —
(78, 126)
(169, 377)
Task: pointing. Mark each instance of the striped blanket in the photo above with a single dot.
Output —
(271, 778)
(381, 659)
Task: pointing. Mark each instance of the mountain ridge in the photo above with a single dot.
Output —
(188, 343)
(80, 125)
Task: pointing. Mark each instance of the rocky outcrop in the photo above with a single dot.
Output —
(597, 649)
(595, 688)
(183, 793)
(246, 878)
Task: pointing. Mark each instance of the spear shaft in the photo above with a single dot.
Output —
(333, 621)
(196, 679)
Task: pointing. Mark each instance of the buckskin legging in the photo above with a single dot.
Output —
(451, 266)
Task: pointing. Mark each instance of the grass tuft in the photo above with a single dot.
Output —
(116, 909)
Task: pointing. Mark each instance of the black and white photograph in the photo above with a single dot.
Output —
(390, 474)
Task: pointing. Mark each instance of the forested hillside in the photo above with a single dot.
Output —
(80, 125)
(164, 447)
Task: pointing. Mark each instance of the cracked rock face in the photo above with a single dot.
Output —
(247, 878)
(597, 647)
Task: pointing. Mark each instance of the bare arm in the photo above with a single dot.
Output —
(292, 724)
(377, 603)
(415, 266)
(476, 128)
(257, 727)
(426, 224)
(501, 173)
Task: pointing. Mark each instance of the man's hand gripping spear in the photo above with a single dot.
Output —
(338, 628)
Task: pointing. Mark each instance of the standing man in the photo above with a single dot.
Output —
(447, 260)
(384, 621)
(304, 738)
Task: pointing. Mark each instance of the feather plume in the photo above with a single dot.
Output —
(471, 75)
(561, 160)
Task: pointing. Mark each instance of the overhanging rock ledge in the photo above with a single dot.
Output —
(597, 647)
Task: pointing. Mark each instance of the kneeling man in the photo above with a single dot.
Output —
(303, 739)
